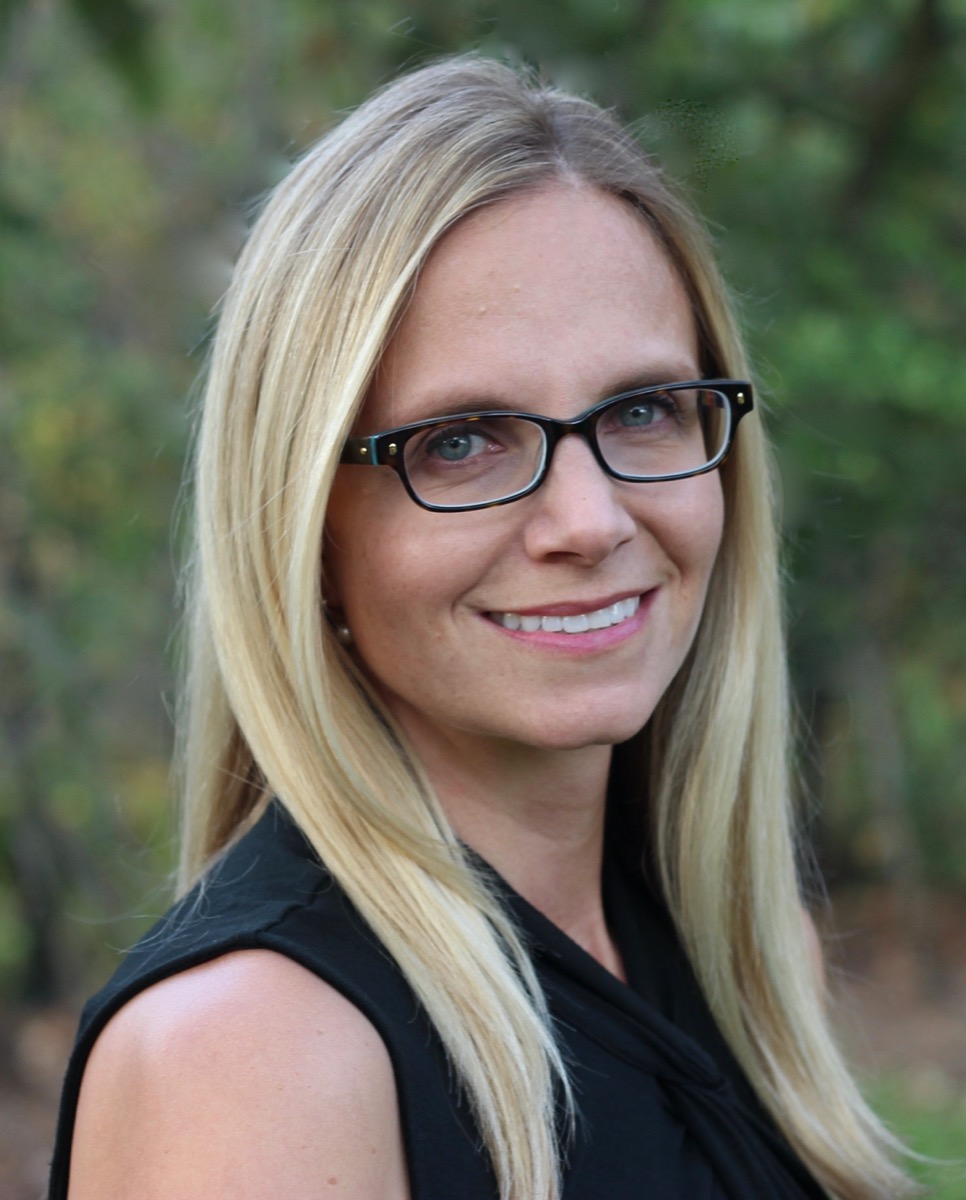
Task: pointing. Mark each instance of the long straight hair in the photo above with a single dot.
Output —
(274, 706)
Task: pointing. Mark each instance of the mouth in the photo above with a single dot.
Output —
(600, 618)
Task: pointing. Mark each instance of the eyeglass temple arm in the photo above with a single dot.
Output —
(365, 451)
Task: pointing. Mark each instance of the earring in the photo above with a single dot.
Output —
(344, 634)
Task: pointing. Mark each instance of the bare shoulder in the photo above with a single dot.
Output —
(247, 1076)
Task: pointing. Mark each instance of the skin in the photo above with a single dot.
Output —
(245, 1078)
(547, 303)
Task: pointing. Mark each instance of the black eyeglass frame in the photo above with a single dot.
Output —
(386, 449)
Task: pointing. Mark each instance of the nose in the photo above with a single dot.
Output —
(578, 512)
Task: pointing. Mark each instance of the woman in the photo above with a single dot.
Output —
(485, 619)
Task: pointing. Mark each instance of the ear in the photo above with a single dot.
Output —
(331, 595)
(328, 578)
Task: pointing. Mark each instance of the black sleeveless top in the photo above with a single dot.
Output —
(664, 1111)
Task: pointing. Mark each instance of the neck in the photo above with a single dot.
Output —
(537, 817)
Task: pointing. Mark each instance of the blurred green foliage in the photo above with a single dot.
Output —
(933, 1124)
(824, 139)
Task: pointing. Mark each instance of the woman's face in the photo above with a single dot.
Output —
(546, 302)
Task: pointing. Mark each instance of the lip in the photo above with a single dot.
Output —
(574, 608)
(592, 641)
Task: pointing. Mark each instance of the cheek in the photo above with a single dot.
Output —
(689, 525)
(708, 524)
(370, 580)
(366, 537)
(395, 571)
(402, 599)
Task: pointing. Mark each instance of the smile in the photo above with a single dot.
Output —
(601, 618)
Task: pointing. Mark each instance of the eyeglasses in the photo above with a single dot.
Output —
(481, 459)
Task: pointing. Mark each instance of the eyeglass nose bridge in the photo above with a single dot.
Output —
(554, 431)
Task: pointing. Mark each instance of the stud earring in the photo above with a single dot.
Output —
(344, 634)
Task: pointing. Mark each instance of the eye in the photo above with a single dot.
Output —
(454, 443)
(643, 412)
(638, 413)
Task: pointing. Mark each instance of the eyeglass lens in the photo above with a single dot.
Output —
(651, 435)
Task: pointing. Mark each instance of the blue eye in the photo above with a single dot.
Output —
(454, 445)
(638, 414)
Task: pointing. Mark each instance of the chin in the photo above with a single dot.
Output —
(583, 734)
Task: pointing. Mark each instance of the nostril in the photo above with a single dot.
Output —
(580, 512)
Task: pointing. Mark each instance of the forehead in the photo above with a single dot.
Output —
(548, 301)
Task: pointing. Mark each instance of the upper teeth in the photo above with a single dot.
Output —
(601, 618)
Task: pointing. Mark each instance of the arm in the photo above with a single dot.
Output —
(246, 1077)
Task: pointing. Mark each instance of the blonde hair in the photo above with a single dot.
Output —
(275, 707)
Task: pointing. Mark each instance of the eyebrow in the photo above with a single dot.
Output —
(678, 373)
(448, 405)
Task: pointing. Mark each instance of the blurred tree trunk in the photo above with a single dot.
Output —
(868, 680)
(919, 48)
(25, 830)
